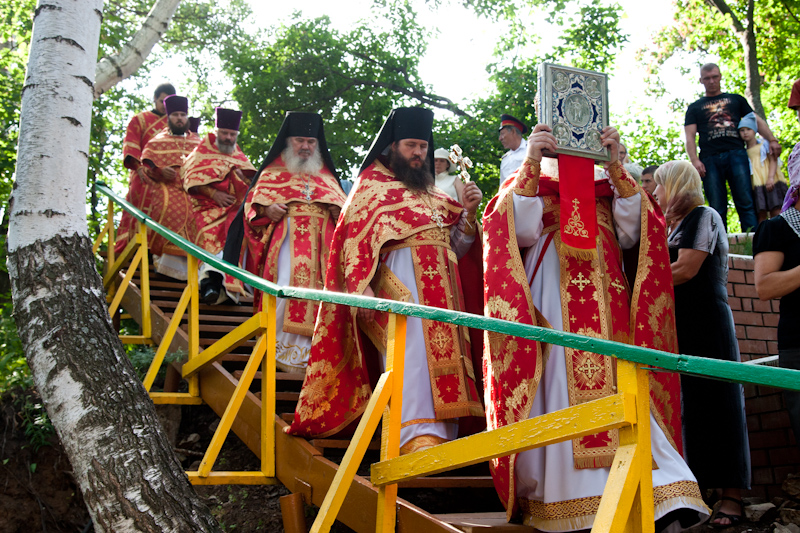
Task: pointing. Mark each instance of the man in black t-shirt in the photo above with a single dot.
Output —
(723, 157)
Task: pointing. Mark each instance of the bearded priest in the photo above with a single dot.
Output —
(398, 237)
(217, 176)
(554, 240)
(290, 214)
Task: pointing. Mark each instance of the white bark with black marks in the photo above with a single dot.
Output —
(122, 461)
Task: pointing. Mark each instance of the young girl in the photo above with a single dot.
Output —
(769, 184)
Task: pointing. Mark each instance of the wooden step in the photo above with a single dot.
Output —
(447, 482)
(483, 523)
(279, 376)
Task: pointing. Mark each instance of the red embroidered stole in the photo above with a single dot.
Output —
(380, 212)
(594, 302)
(312, 230)
(206, 165)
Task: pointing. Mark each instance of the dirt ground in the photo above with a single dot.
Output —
(38, 493)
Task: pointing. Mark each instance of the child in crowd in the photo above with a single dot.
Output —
(769, 184)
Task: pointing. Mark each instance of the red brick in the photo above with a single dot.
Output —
(747, 304)
(735, 304)
(741, 333)
(763, 334)
(772, 348)
(750, 277)
(788, 455)
(753, 422)
(768, 439)
(757, 491)
(743, 263)
(748, 319)
(762, 306)
(736, 276)
(763, 476)
(776, 306)
(730, 290)
(771, 319)
(759, 458)
(750, 391)
(775, 420)
(748, 291)
(780, 473)
(763, 404)
(774, 491)
(730, 262)
(756, 347)
(764, 390)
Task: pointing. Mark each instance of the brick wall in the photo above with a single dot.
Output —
(773, 450)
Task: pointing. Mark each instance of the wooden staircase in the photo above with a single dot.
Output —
(308, 467)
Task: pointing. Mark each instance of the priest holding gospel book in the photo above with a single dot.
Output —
(553, 239)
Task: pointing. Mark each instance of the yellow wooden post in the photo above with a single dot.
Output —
(137, 258)
(194, 320)
(627, 502)
(174, 324)
(353, 456)
(392, 419)
(144, 276)
(112, 234)
(268, 390)
(232, 409)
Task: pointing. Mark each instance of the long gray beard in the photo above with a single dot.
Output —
(296, 165)
(226, 149)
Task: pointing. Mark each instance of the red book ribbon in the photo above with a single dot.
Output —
(578, 216)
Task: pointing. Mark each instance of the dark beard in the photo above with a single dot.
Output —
(416, 179)
(178, 130)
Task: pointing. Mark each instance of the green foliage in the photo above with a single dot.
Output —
(14, 371)
(35, 423)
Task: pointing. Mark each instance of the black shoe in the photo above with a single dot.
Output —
(211, 288)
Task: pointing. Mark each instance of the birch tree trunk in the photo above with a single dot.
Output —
(123, 462)
(115, 68)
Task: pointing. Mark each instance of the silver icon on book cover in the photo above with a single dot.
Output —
(574, 103)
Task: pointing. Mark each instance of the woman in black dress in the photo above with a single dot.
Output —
(715, 431)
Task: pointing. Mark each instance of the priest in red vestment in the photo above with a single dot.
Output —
(216, 175)
(553, 243)
(290, 215)
(398, 237)
(141, 128)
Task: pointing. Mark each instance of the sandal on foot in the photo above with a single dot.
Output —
(734, 519)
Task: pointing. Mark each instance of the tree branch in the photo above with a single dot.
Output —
(423, 97)
(113, 69)
(723, 8)
(789, 10)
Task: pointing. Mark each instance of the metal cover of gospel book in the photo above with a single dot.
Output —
(574, 102)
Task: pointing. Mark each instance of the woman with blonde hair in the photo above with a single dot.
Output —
(715, 431)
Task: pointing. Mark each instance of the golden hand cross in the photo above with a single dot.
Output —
(464, 163)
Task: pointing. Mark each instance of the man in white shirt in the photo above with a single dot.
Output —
(510, 134)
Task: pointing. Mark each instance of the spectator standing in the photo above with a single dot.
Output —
(715, 430)
(647, 181)
(776, 247)
(723, 159)
(769, 185)
(510, 135)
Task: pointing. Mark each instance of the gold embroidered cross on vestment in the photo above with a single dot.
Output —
(580, 281)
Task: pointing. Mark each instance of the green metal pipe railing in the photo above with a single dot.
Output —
(685, 364)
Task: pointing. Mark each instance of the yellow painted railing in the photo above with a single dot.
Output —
(627, 501)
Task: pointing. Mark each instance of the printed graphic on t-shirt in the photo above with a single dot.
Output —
(720, 120)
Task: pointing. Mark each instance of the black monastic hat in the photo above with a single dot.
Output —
(402, 123)
(194, 124)
(508, 120)
(298, 124)
(295, 124)
(174, 103)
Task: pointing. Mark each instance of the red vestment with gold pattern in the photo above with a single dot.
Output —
(207, 166)
(141, 129)
(383, 217)
(596, 300)
(164, 200)
(304, 235)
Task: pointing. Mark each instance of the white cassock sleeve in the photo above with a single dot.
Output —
(528, 225)
(627, 213)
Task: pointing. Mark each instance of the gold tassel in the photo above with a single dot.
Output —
(579, 253)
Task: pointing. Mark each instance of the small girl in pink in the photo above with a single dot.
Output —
(769, 183)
